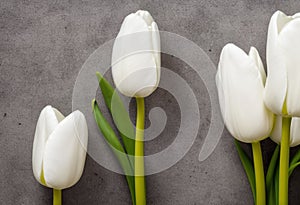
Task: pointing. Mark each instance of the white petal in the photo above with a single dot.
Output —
(65, 152)
(135, 67)
(297, 15)
(47, 122)
(276, 83)
(289, 43)
(132, 24)
(221, 93)
(276, 132)
(156, 49)
(294, 131)
(134, 37)
(146, 16)
(240, 88)
(59, 116)
(136, 75)
(253, 53)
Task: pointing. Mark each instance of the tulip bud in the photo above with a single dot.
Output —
(59, 148)
(294, 131)
(240, 82)
(136, 56)
(283, 48)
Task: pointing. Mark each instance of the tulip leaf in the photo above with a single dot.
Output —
(276, 184)
(120, 115)
(292, 167)
(248, 167)
(271, 169)
(294, 162)
(270, 177)
(116, 146)
(296, 158)
(271, 194)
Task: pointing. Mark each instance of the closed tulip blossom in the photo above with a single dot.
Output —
(240, 81)
(136, 56)
(283, 85)
(283, 48)
(59, 149)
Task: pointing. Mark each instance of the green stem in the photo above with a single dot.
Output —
(56, 197)
(259, 174)
(284, 161)
(140, 187)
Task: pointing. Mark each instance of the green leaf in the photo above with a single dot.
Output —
(116, 146)
(248, 167)
(270, 184)
(294, 162)
(271, 196)
(296, 158)
(119, 113)
(276, 183)
(292, 167)
(271, 169)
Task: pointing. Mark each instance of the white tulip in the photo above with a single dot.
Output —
(294, 131)
(283, 48)
(240, 82)
(136, 56)
(59, 148)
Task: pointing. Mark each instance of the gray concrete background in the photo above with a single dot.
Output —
(43, 45)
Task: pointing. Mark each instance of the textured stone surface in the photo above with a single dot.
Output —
(43, 45)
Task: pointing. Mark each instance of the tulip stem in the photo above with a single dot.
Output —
(140, 187)
(56, 197)
(259, 174)
(284, 161)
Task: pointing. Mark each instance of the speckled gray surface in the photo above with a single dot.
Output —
(43, 45)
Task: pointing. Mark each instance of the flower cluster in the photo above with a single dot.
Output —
(255, 106)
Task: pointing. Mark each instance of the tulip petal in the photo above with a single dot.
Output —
(156, 48)
(294, 131)
(133, 24)
(289, 43)
(253, 53)
(276, 132)
(47, 122)
(276, 83)
(133, 37)
(65, 152)
(146, 16)
(240, 87)
(136, 77)
(59, 116)
(297, 15)
(221, 90)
